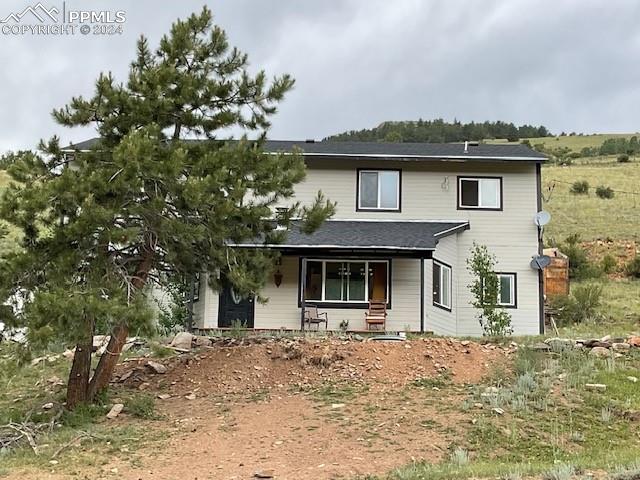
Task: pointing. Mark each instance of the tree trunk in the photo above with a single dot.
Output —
(109, 360)
(78, 383)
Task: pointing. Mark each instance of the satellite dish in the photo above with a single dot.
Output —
(540, 262)
(542, 218)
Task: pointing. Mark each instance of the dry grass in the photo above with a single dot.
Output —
(592, 217)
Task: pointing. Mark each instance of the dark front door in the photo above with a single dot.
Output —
(234, 308)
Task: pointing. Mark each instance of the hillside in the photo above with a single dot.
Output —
(439, 131)
(574, 142)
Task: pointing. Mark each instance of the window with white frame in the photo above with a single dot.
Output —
(506, 289)
(342, 281)
(480, 193)
(378, 190)
(441, 285)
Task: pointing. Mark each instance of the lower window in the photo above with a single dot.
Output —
(507, 289)
(441, 285)
(349, 282)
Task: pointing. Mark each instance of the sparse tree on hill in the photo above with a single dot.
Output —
(99, 226)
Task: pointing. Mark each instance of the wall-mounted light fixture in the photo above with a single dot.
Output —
(277, 278)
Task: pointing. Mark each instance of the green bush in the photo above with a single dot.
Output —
(633, 267)
(608, 263)
(579, 265)
(624, 158)
(581, 305)
(580, 187)
(604, 192)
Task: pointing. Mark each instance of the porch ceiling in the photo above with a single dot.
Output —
(398, 238)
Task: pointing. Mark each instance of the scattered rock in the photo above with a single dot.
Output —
(202, 341)
(541, 347)
(600, 352)
(633, 379)
(601, 387)
(337, 405)
(620, 347)
(47, 406)
(606, 338)
(191, 396)
(68, 354)
(498, 411)
(164, 396)
(559, 344)
(634, 341)
(264, 474)
(55, 381)
(601, 344)
(465, 343)
(182, 340)
(115, 411)
(156, 367)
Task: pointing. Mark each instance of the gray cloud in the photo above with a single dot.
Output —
(570, 65)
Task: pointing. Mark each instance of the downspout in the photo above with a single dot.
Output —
(303, 304)
(422, 295)
(540, 248)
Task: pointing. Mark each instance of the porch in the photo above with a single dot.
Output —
(339, 269)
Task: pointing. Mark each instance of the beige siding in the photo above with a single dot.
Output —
(429, 192)
(282, 311)
(205, 310)
(438, 320)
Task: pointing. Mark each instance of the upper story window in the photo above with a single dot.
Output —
(483, 193)
(378, 190)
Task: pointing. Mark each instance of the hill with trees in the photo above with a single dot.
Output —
(439, 130)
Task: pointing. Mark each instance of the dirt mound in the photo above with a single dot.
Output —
(252, 365)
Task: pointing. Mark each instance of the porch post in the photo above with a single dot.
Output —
(303, 304)
(421, 294)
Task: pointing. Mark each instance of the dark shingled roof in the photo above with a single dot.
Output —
(408, 236)
(395, 151)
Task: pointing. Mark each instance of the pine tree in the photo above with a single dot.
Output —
(147, 203)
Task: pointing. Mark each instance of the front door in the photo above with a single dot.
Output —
(234, 308)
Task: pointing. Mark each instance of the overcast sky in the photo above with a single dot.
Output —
(570, 65)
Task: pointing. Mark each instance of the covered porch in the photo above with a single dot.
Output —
(346, 264)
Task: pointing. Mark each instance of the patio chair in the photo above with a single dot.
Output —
(376, 315)
(312, 316)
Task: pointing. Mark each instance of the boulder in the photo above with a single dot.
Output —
(182, 340)
(156, 367)
(559, 344)
(202, 341)
(634, 341)
(620, 347)
(600, 352)
(541, 347)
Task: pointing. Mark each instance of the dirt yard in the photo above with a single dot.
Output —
(310, 409)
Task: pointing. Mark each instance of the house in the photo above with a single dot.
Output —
(407, 216)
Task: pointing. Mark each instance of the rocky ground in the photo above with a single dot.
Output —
(304, 408)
